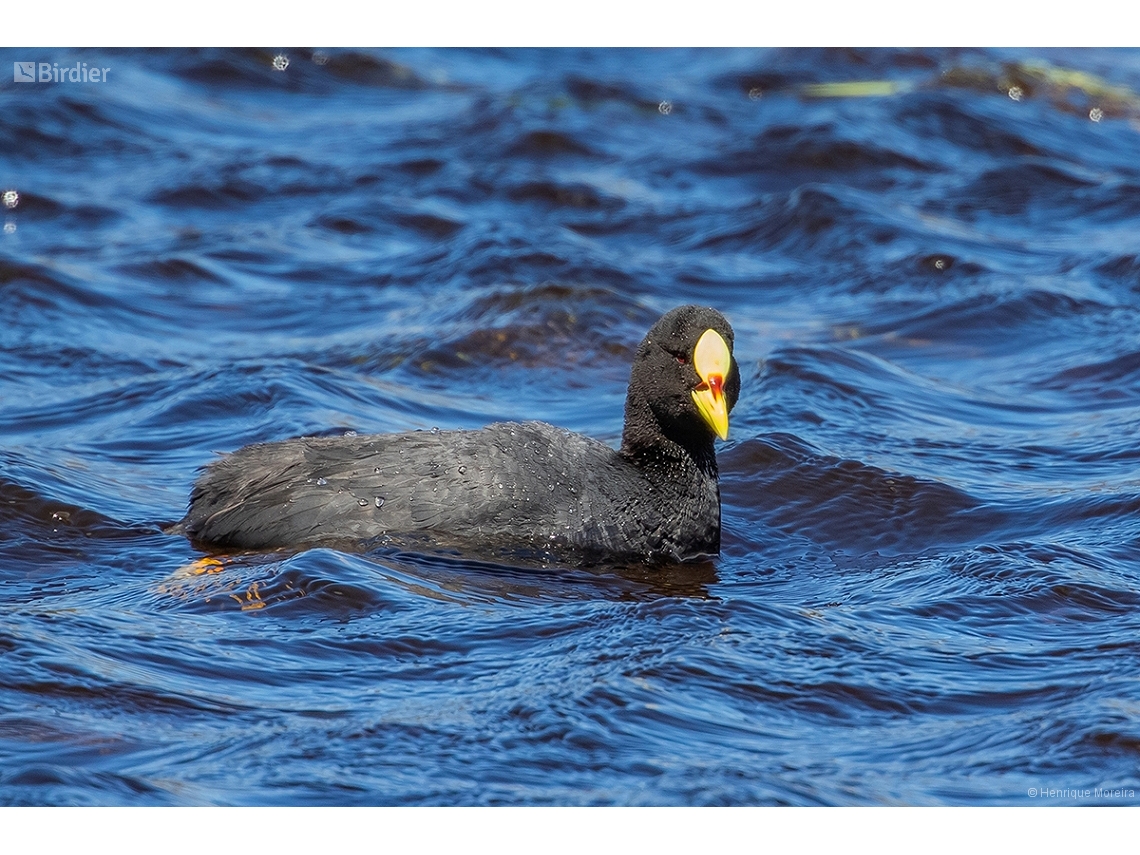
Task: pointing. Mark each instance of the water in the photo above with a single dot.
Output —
(929, 587)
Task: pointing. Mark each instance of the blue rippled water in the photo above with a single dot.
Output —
(929, 591)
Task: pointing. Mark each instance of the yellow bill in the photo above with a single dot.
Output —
(712, 361)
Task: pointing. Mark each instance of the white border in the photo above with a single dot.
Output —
(603, 23)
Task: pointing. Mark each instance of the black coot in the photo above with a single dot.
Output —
(508, 486)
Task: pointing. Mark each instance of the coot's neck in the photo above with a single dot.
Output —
(654, 447)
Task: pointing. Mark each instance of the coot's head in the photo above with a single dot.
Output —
(684, 381)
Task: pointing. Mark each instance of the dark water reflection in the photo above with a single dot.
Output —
(928, 590)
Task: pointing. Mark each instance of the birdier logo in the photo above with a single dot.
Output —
(51, 72)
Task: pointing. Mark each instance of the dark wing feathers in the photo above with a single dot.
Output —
(509, 485)
(463, 482)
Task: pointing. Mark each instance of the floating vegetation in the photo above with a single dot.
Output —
(1067, 89)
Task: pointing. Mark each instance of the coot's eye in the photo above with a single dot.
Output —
(682, 359)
